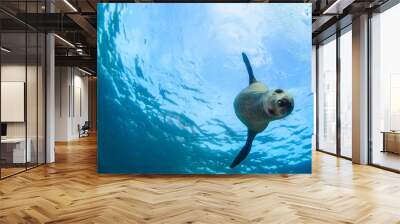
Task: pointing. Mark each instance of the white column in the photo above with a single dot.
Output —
(360, 90)
(50, 92)
(50, 99)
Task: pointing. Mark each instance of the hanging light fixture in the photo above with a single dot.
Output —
(70, 5)
(5, 50)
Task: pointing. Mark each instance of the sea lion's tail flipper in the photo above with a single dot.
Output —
(245, 150)
(249, 69)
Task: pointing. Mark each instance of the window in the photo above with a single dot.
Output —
(385, 89)
(346, 93)
(327, 96)
(22, 77)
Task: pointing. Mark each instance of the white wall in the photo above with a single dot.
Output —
(71, 94)
(16, 73)
(81, 89)
(12, 73)
(62, 82)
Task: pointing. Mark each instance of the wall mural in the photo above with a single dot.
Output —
(204, 88)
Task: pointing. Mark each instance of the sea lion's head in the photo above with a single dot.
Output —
(278, 104)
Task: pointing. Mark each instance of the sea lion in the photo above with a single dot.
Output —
(256, 106)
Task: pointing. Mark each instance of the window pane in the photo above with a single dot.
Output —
(327, 96)
(13, 86)
(346, 94)
(386, 89)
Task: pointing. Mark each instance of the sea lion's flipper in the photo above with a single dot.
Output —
(249, 69)
(245, 150)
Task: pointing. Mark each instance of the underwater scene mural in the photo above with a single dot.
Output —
(204, 88)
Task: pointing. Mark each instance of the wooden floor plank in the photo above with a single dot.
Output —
(70, 191)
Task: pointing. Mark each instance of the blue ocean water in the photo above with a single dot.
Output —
(168, 75)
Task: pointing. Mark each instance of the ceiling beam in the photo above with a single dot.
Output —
(46, 22)
(86, 26)
(337, 6)
(81, 61)
(320, 22)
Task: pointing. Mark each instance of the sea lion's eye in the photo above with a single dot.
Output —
(279, 91)
(283, 102)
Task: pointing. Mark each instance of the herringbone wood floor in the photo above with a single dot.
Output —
(70, 191)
